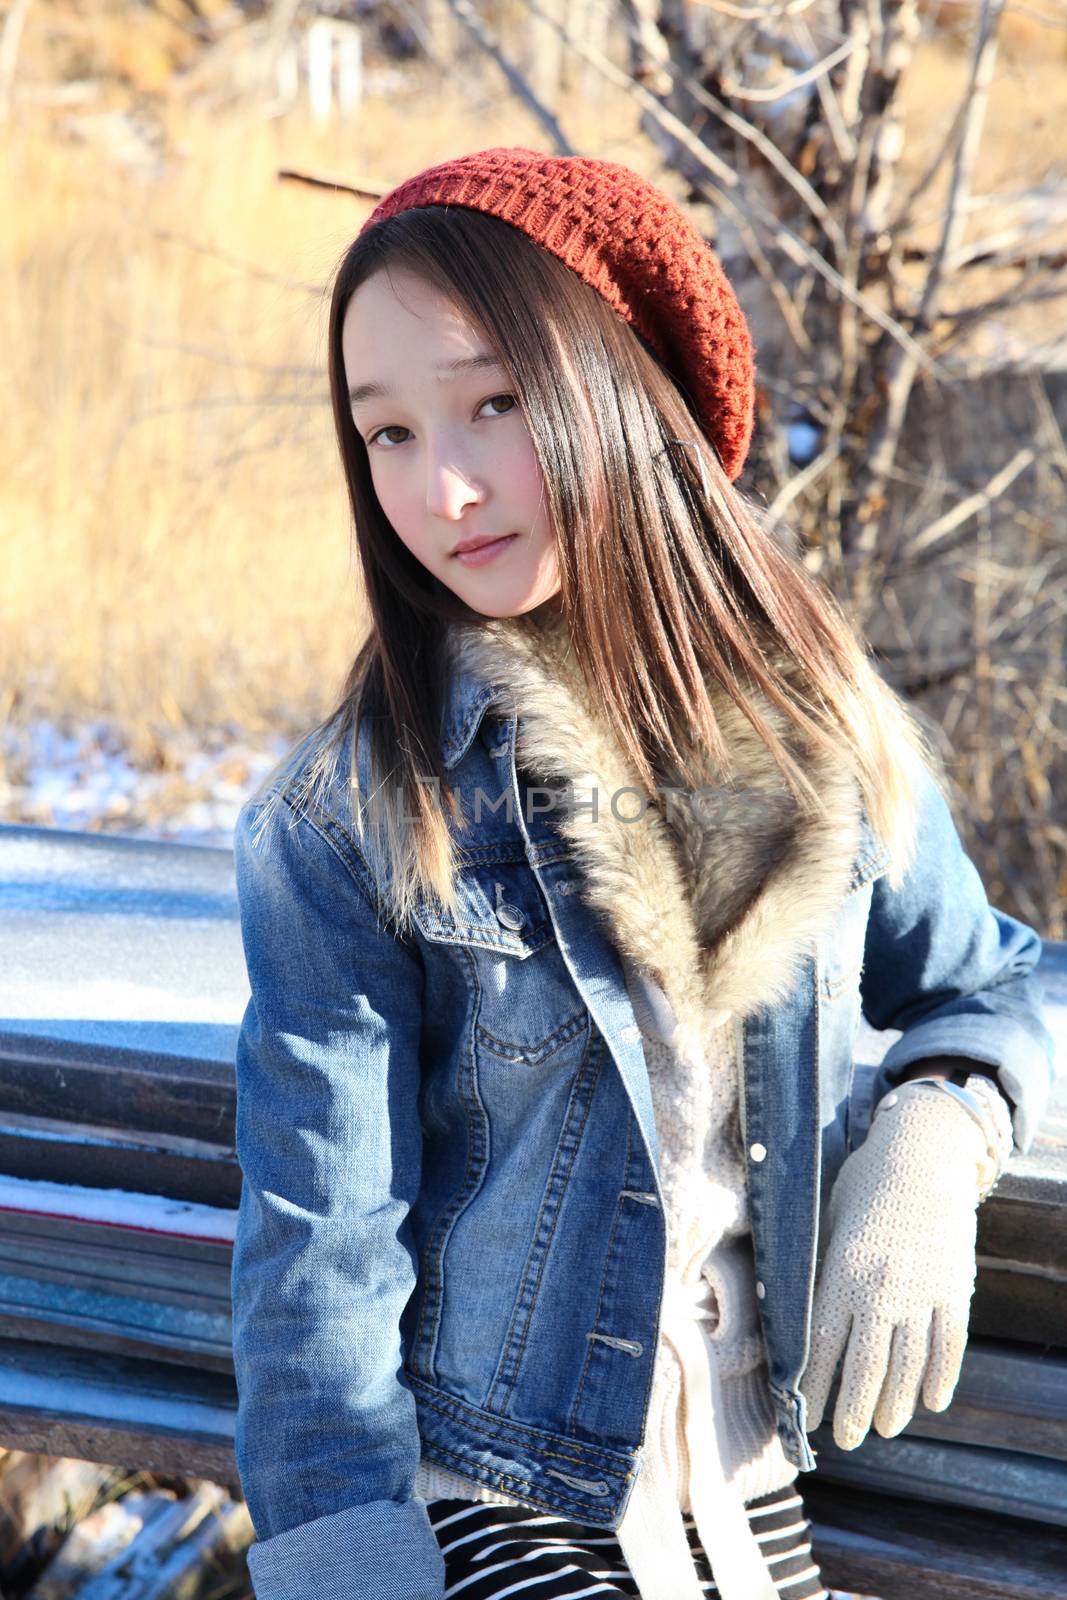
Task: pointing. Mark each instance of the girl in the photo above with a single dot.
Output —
(558, 933)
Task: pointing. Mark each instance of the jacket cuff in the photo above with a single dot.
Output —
(386, 1548)
(1023, 1071)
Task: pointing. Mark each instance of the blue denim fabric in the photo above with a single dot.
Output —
(450, 1167)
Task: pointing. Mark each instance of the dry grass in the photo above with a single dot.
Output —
(174, 529)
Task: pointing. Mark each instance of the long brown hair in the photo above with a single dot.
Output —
(647, 529)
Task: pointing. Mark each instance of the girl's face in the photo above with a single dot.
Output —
(450, 456)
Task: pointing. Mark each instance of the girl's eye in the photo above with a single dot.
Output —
(374, 438)
(493, 397)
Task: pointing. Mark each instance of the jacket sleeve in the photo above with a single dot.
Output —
(954, 974)
(329, 1143)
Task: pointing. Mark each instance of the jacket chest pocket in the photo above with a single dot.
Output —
(526, 1004)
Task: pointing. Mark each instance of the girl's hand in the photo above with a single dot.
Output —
(896, 1283)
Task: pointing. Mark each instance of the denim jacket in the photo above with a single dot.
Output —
(450, 1167)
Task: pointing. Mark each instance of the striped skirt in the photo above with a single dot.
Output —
(492, 1551)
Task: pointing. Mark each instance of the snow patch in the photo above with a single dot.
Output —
(119, 1208)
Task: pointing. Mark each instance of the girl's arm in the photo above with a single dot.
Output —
(329, 1143)
(897, 1275)
(955, 974)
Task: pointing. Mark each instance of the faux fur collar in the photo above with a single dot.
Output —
(719, 895)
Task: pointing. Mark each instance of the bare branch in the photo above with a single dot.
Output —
(801, 481)
(791, 317)
(966, 154)
(902, 369)
(478, 30)
(718, 174)
(753, 135)
(363, 189)
(758, 13)
(828, 96)
(737, 91)
(1018, 295)
(975, 503)
(1049, 424)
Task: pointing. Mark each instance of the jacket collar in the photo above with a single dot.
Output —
(719, 896)
(467, 697)
(465, 708)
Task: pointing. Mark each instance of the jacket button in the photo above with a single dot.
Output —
(757, 1151)
(508, 916)
(761, 1289)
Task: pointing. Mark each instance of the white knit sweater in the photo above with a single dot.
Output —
(711, 1408)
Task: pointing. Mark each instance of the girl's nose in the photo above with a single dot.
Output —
(450, 488)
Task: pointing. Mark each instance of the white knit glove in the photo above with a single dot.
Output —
(896, 1283)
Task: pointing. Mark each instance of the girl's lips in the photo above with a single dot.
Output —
(484, 552)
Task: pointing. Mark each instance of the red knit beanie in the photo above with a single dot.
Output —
(631, 243)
